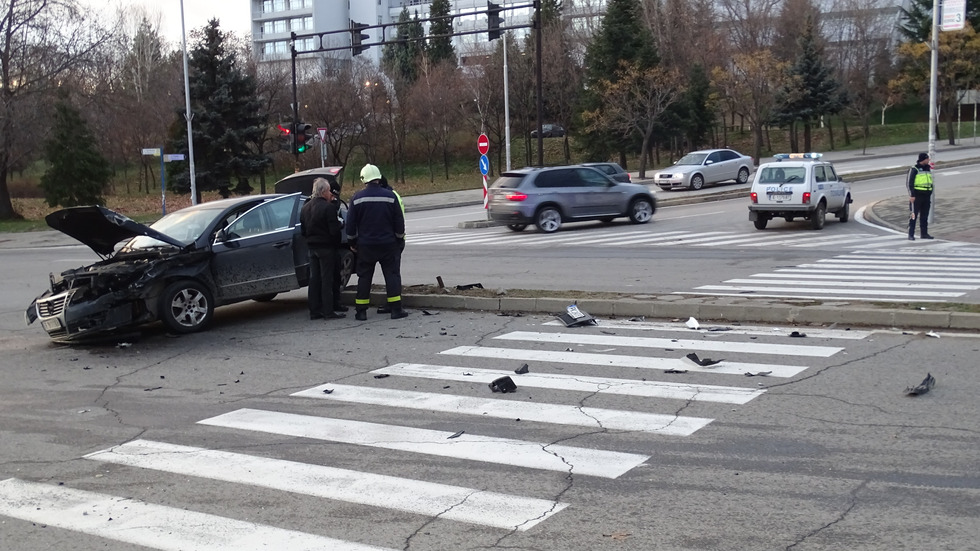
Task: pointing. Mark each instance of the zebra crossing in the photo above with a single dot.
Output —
(872, 275)
(649, 408)
(497, 237)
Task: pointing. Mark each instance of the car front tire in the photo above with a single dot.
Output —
(548, 219)
(697, 181)
(640, 211)
(186, 306)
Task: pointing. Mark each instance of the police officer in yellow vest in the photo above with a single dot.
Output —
(920, 196)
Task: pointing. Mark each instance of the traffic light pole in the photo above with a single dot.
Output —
(292, 134)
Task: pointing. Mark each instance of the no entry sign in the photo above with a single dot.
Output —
(483, 144)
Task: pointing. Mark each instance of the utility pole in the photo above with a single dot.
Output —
(188, 115)
(934, 46)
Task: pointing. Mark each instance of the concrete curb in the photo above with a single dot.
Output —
(705, 311)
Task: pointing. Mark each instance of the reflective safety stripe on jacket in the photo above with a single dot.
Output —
(923, 180)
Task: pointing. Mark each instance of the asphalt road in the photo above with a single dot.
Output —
(227, 440)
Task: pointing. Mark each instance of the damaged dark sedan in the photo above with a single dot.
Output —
(175, 271)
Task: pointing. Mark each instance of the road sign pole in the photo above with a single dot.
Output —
(483, 146)
(163, 186)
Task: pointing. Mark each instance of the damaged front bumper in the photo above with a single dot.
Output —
(68, 317)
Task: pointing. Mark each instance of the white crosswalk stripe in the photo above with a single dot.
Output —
(620, 360)
(560, 414)
(581, 383)
(473, 447)
(863, 275)
(651, 408)
(149, 525)
(413, 496)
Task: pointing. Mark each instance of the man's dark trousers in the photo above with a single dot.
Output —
(323, 263)
(389, 256)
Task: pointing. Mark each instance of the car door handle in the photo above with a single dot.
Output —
(282, 244)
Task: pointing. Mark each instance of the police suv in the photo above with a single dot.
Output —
(798, 185)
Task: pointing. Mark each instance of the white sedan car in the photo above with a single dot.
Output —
(709, 166)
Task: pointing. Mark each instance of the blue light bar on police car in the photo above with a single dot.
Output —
(781, 156)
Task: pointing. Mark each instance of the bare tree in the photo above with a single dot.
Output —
(750, 85)
(634, 102)
(750, 23)
(40, 41)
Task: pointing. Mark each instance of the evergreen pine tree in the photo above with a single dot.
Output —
(622, 37)
(440, 48)
(811, 91)
(229, 123)
(400, 58)
(77, 173)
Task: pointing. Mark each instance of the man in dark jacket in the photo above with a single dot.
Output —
(321, 227)
(920, 196)
(376, 231)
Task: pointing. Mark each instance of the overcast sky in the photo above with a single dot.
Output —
(234, 15)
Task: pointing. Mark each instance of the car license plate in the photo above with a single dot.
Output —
(53, 324)
(780, 196)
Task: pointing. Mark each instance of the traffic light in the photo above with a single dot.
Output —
(285, 138)
(357, 37)
(303, 134)
(494, 20)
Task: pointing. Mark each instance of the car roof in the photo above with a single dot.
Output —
(230, 202)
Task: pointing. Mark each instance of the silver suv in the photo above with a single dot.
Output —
(798, 185)
(547, 197)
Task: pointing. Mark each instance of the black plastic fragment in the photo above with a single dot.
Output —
(923, 387)
(503, 385)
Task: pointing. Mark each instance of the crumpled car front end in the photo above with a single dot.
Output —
(98, 299)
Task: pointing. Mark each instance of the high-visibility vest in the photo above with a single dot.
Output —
(923, 180)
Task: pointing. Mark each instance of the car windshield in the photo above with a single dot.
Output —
(692, 159)
(183, 225)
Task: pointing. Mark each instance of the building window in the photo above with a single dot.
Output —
(279, 26)
(267, 6)
(278, 5)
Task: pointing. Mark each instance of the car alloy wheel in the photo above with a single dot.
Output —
(697, 181)
(640, 211)
(186, 306)
(548, 220)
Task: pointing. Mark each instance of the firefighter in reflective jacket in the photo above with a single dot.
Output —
(920, 196)
(376, 231)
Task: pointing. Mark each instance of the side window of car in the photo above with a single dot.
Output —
(280, 213)
(831, 174)
(819, 174)
(547, 179)
(727, 155)
(713, 158)
(591, 178)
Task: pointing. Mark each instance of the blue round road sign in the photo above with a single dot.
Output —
(484, 165)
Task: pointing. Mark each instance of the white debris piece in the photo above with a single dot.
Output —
(933, 334)
(693, 323)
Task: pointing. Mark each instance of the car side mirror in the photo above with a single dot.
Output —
(221, 236)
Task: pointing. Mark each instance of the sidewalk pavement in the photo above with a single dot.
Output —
(956, 219)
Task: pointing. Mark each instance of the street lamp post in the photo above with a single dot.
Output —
(934, 46)
(187, 105)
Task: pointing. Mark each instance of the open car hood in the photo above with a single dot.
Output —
(101, 228)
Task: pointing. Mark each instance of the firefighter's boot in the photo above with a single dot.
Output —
(396, 310)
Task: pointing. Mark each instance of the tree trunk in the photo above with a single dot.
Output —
(807, 136)
(830, 132)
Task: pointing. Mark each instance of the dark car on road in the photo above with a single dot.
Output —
(175, 271)
(549, 131)
(550, 196)
(612, 170)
